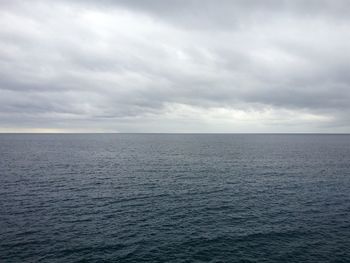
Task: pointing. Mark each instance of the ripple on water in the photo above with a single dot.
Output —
(174, 198)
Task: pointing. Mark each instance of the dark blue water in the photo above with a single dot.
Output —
(174, 198)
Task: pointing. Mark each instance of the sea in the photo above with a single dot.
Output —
(174, 198)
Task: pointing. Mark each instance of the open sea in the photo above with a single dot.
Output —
(174, 198)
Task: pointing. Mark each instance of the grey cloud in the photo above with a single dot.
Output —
(207, 14)
(121, 65)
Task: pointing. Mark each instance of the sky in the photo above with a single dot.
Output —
(201, 66)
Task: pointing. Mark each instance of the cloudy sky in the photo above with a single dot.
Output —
(175, 66)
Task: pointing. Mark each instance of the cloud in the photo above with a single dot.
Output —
(184, 66)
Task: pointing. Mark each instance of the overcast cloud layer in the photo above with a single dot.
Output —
(175, 66)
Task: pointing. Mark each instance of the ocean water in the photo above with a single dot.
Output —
(174, 198)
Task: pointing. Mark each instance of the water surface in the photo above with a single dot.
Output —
(174, 198)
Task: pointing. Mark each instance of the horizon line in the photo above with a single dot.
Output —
(181, 133)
